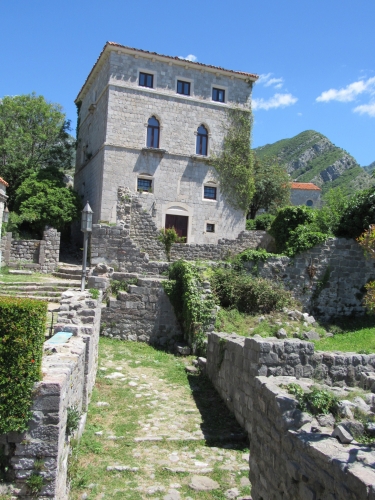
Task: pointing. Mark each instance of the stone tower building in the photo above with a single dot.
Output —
(148, 122)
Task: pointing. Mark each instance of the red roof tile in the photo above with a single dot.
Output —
(4, 182)
(305, 185)
(252, 76)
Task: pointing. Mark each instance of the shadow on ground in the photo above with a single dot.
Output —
(219, 426)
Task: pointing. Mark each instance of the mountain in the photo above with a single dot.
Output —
(312, 157)
(370, 168)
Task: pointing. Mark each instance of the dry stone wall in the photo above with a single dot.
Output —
(284, 462)
(144, 313)
(69, 372)
(40, 255)
(328, 280)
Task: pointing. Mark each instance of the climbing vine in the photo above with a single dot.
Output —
(193, 310)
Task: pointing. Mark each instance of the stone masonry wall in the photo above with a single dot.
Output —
(42, 255)
(283, 464)
(328, 279)
(144, 313)
(69, 372)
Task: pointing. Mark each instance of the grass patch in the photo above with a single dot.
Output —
(361, 341)
(155, 397)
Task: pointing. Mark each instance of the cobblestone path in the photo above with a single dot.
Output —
(155, 432)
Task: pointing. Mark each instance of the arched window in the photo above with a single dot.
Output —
(309, 203)
(202, 141)
(153, 132)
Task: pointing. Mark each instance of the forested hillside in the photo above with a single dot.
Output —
(312, 157)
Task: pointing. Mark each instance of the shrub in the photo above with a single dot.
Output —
(184, 291)
(94, 293)
(22, 328)
(316, 401)
(168, 236)
(262, 222)
(247, 293)
(358, 215)
(117, 286)
(303, 238)
(286, 221)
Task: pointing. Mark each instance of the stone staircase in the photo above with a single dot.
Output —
(49, 291)
(69, 272)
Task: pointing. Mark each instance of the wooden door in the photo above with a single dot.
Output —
(179, 222)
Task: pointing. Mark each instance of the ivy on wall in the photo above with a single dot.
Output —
(192, 308)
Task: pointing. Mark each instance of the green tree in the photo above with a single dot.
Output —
(33, 135)
(234, 164)
(272, 186)
(43, 199)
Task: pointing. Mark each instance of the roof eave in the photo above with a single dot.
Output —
(110, 46)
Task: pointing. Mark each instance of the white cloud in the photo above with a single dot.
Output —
(190, 57)
(348, 93)
(277, 82)
(299, 114)
(277, 101)
(267, 81)
(366, 109)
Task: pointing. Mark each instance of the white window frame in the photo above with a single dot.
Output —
(147, 177)
(220, 87)
(212, 185)
(188, 80)
(150, 72)
(210, 222)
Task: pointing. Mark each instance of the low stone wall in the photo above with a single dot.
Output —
(69, 372)
(40, 255)
(284, 463)
(328, 280)
(144, 313)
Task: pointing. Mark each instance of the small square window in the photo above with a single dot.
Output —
(183, 87)
(210, 228)
(144, 185)
(218, 95)
(209, 193)
(146, 80)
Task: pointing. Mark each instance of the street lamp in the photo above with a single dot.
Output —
(86, 227)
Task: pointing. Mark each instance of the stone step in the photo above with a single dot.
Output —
(76, 271)
(20, 293)
(18, 284)
(72, 277)
(36, 297)
(31, 288)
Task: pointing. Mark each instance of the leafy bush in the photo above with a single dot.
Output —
(286, 221)
(254, 255)
(22, 326)
(358, 215)
(94, 293)
(262, 222)
(168, 236)
(317, 401)
(184, 291)
(303, 238)
(117, 286)
(247, 293)
(72, 420)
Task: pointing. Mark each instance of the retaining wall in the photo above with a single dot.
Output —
(40, 255)
(69, 372)
(328, 279)
(284, 463)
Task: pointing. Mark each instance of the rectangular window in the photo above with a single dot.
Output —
(218, 95)
(144, 185)
(210, 228)
(209, 193)
(146, 80)
(183, 87)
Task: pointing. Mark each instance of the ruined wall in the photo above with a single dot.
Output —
(328, 279)
(40, 255)
(144, 313)
(286, 464)
(69, 372)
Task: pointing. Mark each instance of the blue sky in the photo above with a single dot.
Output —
(316, 59)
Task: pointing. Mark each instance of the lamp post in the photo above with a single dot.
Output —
(86, 227)
(4, 220)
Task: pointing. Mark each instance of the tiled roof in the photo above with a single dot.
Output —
(3, 182)
(252, 76)
(305, 185)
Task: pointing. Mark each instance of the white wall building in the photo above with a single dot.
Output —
(149, 122)
(305, 193)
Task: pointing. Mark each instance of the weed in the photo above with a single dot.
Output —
(35, 483)
(94, 293)
(72, 420)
